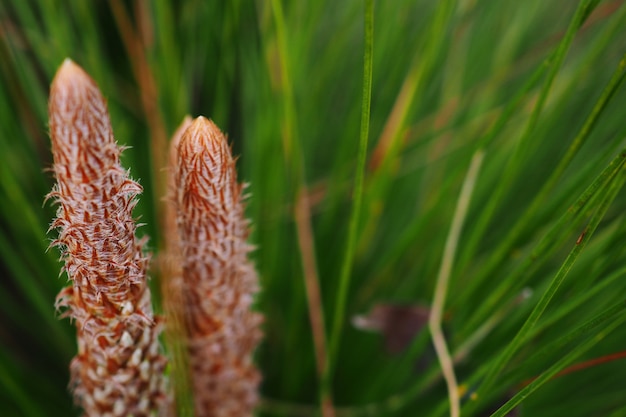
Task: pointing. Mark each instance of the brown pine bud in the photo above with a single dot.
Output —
(118, 370)
(219, 282)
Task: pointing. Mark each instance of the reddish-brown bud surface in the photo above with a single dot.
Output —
(118, 370)
(219, 282)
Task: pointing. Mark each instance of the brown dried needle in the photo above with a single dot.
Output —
(219, 282)
(118, 370)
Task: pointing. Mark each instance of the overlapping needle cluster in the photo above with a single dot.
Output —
(219, 281)
(118, 370)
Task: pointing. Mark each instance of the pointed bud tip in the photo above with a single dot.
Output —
(71, 88)
(70, 72)
(77, 112)
(203, 135)
(203, 125)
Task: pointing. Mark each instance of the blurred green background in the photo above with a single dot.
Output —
(537, 281)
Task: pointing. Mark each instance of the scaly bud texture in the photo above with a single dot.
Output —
(118, 370)
(219, 281)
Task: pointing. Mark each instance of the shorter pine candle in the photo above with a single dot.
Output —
(118, 370)
(219, 282)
